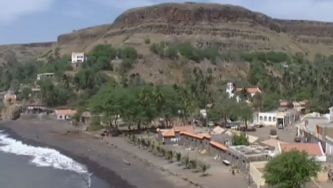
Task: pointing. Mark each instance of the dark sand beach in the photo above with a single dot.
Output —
(102, 160)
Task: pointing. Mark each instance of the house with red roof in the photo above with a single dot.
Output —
(252, 91)
(314, 150)
(65, 114)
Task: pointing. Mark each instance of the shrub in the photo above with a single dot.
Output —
(170, 155)
(240, 139)
(128, 53)
(193, 164)
(273, 132)
(186, 161)
(148, 143)
(95, 124)
(203, 168)
(178, 156)
(147, 41)
(162, 151)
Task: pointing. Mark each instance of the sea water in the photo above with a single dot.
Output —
(26, 166)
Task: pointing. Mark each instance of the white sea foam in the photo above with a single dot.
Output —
(43, 157)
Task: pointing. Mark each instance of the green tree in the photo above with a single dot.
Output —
(52, 95)
(88, 79)
(290, 170)
(245, 113)
(240, 139)
(223, 108)
(128, 53)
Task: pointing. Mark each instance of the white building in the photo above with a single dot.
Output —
(329, 146)
(277, 118)
(45, 76)
(230, 90)
(78, 57)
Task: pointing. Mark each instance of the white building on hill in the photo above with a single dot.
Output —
(78, 57)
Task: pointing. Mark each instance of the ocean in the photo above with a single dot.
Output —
(26, 166)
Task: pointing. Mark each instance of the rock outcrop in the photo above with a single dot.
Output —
(227, 27)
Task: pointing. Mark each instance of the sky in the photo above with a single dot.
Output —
(26, 21)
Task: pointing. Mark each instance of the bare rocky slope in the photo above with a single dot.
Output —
(226, 27)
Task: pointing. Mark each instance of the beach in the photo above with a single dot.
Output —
(102, 159)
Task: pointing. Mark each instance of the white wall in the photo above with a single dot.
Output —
(329, 146)
(267, 118)
(331, 114)
(78, 57)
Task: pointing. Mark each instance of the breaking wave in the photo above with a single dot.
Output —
(43, 157)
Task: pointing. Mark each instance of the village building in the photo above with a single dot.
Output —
(9, 98)
(242, 156)
(251, 91)
(280, 118)
(314, 150)
(217, 150)
(230, 89)
(172, 136)
(167, 136)
(37, 108)
(318, 128)
(86, 118)
(256, 172)
(233, 91)
(195, 141)
(45, 76)
(271, 143)
(65, 114)
(299, 106)
(77, 59)
(329, 145)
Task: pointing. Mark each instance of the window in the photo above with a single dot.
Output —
(270, 118)
(265, 118)
(260, 118)
(274, 119)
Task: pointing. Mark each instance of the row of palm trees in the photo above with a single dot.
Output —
(158, 150)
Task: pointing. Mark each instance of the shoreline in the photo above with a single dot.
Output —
(107, 175)
(102, 159)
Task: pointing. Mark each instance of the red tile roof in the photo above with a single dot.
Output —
(218, 145)
(187, 128)
(196, 136)
(250, 90)
(205, 135)
(66, 112)
(312, 149)
(168, 133)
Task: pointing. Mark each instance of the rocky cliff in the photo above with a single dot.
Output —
(226, 27)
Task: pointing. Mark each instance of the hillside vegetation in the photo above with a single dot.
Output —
(178, 52)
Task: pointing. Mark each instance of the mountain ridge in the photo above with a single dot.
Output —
(226, 27)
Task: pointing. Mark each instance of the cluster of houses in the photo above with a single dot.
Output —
(233, 91)
(315, 127)
(217, 143)
(288, 113)
(10, 98)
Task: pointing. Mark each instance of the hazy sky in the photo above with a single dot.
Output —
(23, 21)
